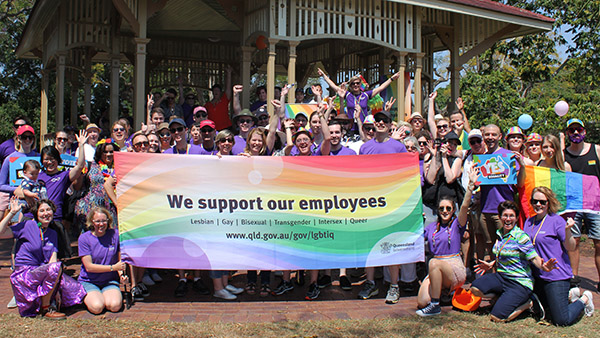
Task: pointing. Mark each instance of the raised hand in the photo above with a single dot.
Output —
(82, 137)
(237, 89)
(321, 73)
(396, 76)
(460, 105)
(433, 95)
(389, 104)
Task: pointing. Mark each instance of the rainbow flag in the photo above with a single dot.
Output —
(363, 83)
(292, 109)
(575, 192)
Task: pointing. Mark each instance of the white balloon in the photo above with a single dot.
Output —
(561, 108)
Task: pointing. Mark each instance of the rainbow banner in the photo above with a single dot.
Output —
(293, 109)
(274, 213)
(575, 192)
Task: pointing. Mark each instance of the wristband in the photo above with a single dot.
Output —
(111, 268)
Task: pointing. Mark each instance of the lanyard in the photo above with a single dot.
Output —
(448, 228)
(540, 228)
(500, 251)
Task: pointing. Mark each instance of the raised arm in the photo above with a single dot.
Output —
(273, 122)
(331, 83)
(180, 85)
(326, 144)
(460, 105)
(288, 124)
(15, 207)
(228, 72)
(431, 115)
(385, 84)
(237, 107)
(75, 172)
(463, 214)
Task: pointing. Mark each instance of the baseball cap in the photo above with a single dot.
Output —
(575, 121)
(177, 120)
(452, 136)
(415, 115)
(475, 133)
(24, 129)
(208, 123)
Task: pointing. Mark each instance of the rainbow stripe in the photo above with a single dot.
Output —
(363, 83)
(575, 192)
(293, 109)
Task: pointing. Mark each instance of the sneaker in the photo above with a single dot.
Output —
(147, 280)
(224, 294)
(589, 306)
(53, 314)
(144, 289)
(537, 308)
(283, 288)
(430, 310)
(393, 295)
(156, 277)
(574, 294)
(233, 289)
(199, 286)
(313, 292)
(345, 283)
(251, 288)
(265, 290)
(369, 290)
(324, 281)
(136, 293)
(12, 304)
(408, 287)
(181, 289)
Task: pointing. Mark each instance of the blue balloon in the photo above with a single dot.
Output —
(525, 121)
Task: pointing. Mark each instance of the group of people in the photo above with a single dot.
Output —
(469, 229)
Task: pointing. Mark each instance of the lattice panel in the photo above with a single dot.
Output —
(88, 22)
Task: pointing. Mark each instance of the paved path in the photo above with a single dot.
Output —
(333, 303)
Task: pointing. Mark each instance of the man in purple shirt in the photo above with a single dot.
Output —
(179, 133)
(335, 131)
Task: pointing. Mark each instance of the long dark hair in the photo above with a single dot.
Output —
(100, 150)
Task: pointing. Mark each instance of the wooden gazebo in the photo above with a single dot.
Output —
(164, 39)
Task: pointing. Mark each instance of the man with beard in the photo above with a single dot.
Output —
(583, 158)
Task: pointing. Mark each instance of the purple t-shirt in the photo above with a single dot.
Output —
(5, 173)
(209, 152)
(6, 148)
(34, 247)
(493, 195)
(390, 146)
(439, 245)
(548, 243)
(239, 146)
(104, 251)
(191, 150)
(362, 99)
(57, 186)
(340, 152)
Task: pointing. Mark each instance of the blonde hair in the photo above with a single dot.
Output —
(553, 203)
(559, 160)
(98, 210)
(262, 135)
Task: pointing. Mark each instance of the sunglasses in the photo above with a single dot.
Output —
(61, 139)
(245, 121)
(108, 151)
(26, 137)
(443, 126)
(165, 135)
(116, 130)
(143, 143)
(446, 208)
(228, 140)
(206, 130)
(542, 202)
(422, 143)
(475, 141)
(19, 125)
(355, 83)
(369, 129)
(263, 117)
(382, 119)
(575, 129)
(177, 130)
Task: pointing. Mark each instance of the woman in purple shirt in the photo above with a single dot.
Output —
(37, 279)
(101, 266)
(551, 237)
(446, 269)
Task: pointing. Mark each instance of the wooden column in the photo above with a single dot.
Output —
(271, 74)
(400, 95)
(418, 89)
(246, 63)
(141, 41)
(87, 85)
(60, 91)
(44, 107)
(292, 70)
(114, 87)
(74, 97)
(455, 65)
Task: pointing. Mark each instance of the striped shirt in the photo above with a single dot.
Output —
(513, 252)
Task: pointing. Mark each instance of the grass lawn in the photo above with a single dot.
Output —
(453, 324)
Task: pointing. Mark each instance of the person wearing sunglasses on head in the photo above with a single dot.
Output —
(354, 94)
(382, 143)
(583, 158)
(551, 237)
(25, 148)
(9, 146)
(476, 233)
(444, 236)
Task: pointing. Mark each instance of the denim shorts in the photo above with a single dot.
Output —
(592, 222)
(89, 287)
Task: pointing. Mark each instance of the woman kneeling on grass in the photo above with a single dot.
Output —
(512, 282)
(446, 270)
(102, 266)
